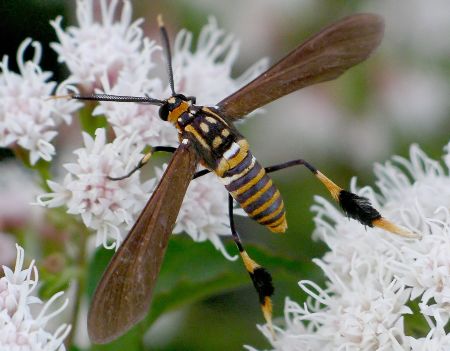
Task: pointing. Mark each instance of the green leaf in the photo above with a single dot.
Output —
(90, 123)
(194, 271)
(130, 341)
(415, 324)
(53, 283)
(96, 268)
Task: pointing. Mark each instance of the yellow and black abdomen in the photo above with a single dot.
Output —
(224, 151)
(253, 189)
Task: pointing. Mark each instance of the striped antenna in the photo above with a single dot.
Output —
(117, 98)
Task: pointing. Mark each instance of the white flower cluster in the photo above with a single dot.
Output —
(206, 72)
(114, 57)
(204, 213)
(107, 206)
(20, 329)
(27, 117)
(94, 49)
(372, 277)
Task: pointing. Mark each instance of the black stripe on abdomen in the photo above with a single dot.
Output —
(253, 189)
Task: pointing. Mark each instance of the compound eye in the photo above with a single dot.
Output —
(164, 112)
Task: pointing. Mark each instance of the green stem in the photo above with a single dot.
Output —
(43, 169)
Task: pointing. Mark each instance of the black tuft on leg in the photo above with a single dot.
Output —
(358, 207)
(262, 281)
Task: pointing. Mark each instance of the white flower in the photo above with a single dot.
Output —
(436, 340)
(27, 117)
(106, 47)
(425, 266)
(206, 72)
(371, 275)
(111, 207)
(139, 120)
(414, 189)
(20, 329)
(204, 213)
(107, 206)
(115, 58)
(364, 314)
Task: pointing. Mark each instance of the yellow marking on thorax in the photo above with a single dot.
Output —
(206, 109)
(216, 142)
(225, 165)
(204, 127)
(211, 120)
(177, 112)
(193, 131)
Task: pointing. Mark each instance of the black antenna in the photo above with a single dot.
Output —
(119, 98)
(166, 45)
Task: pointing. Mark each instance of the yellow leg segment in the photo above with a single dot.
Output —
(262, 282)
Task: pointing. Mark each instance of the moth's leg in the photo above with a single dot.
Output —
(261, 278)
(145, 159)
(201, 173)
(354, 206)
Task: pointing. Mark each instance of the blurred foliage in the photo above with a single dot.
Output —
(184, 280)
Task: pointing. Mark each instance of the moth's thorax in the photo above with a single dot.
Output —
(210, 134)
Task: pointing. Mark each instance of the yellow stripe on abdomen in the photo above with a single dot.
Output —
(252, 188)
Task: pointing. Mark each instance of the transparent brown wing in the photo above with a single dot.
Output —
(323, 57)
(123, 295)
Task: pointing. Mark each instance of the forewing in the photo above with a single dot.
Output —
(323, 57)
(123, 295)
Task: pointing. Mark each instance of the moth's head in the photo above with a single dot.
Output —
(173, 107)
